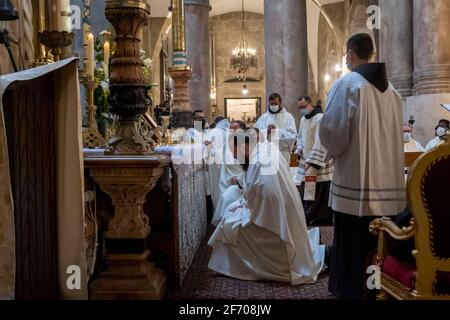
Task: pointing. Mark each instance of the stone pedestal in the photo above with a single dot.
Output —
(197, 44)
(182, 111)
(396, 43)
(129, 277)
(127, 180)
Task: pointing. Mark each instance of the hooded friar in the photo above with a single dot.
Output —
(362, 131)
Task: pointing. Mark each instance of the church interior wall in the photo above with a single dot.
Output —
(226, 30)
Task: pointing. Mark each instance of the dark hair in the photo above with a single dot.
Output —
(362, 45)
(306, 98)
(218, 119)
(242, 124)
(197, 111)
(273, 96)
(445, 122)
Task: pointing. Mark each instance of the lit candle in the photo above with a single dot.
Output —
(65, 21)
(106, 55)
(91, 56)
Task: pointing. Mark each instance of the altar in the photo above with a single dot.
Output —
(174, 209)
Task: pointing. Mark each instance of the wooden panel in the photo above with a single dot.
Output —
(30, 125)
(411, 157)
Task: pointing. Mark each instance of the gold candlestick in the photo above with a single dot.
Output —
(56, 41)
(92, 138)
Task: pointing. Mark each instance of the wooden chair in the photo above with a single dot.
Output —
(429, 199)
(411, 157)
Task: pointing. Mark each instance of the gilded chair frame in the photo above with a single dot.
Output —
(421, 229)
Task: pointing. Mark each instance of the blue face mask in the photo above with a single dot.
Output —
(407, 137)
(304, 112)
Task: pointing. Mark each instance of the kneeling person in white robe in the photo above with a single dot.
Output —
(263, 236)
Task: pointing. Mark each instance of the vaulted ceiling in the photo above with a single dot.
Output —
(160, 7)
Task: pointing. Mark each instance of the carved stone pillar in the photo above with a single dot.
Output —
(431, 67)
(396, 43)
(129, 274)
(286, 43)
(181, 73)
(432, 46)
(197, 44)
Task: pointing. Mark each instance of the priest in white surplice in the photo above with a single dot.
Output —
(263, 236)
(218, 156)
(279, 124)
(362, 131)
(232, 177)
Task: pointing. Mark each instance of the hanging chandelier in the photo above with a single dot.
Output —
(244, 55)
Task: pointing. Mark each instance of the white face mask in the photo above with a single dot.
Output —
(274, 108)
(406, 137)
(441, 131)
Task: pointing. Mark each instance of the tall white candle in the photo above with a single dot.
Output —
(106, 55)
(91, 56)
(65, 22)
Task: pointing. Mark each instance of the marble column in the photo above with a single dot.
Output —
(180, 72)
(286, 50)
(396, 43)
(432, 46)
(431, 67)
(197, 45)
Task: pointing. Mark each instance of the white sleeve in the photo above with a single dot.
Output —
(319, 155)
(288, 134)
(335, 127)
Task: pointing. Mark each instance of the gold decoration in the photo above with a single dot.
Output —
(56, 41)
(421, 229)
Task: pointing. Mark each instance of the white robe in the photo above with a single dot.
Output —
(362, 130)
(286, 130)
(434, 143)
(413, 146)
(219, 156)
(232, 194)
(312, 151)
(263, 236)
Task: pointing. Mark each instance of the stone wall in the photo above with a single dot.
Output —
(226, 31)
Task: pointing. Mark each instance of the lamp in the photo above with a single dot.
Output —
(8, 13)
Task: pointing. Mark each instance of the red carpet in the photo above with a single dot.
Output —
(202, 283)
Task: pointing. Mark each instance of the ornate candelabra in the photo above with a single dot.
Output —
(56, 41)
(128, 89)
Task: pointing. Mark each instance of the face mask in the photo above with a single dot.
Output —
(441, 131)
(274, 109)
(304, 112)
(406, 137)
(349, 66)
